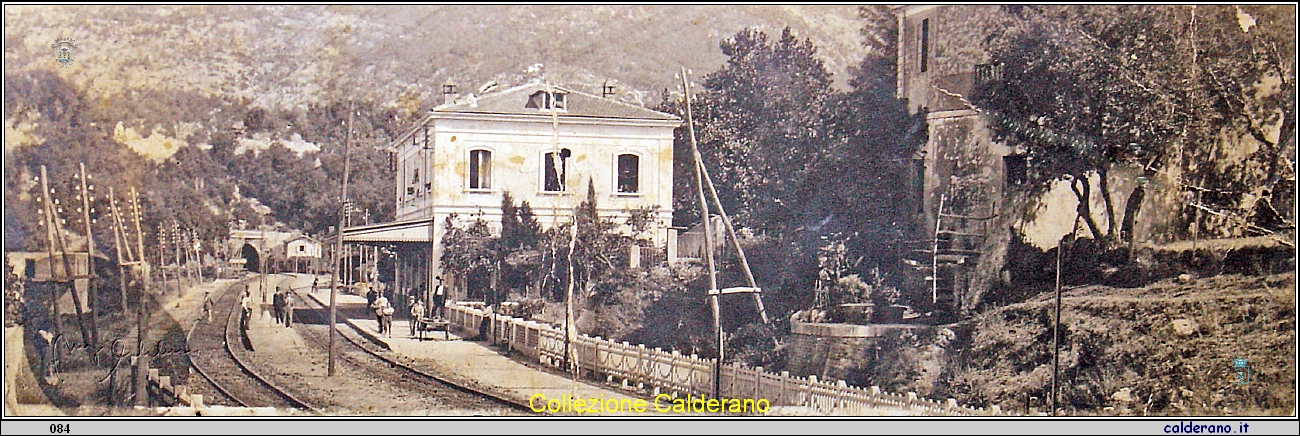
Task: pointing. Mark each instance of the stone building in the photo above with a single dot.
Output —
(965, 174)
(970, 204)
(970, 207)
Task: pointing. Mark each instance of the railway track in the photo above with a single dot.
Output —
(218, 351)
(378, 362)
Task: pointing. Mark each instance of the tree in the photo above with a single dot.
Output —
(1086, 88)
(467, 246)
(869, 172)
(516, 249)
(762, 129)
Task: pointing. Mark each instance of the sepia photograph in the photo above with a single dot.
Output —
(986, 213)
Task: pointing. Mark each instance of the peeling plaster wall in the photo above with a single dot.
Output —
(518, 148)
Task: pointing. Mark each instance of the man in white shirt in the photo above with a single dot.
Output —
(382, 313)
(288, 309)
(247, 304)
(417, 313)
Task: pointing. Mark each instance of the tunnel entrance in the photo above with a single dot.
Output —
(253, 261)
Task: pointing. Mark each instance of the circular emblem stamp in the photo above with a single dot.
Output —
(64, 51)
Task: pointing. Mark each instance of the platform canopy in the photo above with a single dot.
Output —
(399, 231)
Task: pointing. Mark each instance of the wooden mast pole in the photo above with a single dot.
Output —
(118, 240)
(141, 394)
(50, 226)
(91, 290)
(708, 241)
(338, 245)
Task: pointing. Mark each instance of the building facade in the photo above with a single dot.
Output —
(542, 145)
(965, 174)
(302, 247)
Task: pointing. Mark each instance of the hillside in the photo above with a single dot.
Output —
(172, 99)
(285, 56)
(1163, 349)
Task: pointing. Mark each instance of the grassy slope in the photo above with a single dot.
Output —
(1123, 338)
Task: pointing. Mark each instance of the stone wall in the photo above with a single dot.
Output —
(830, 358)
(895, 357)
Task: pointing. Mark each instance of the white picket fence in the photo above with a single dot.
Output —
(655, 371)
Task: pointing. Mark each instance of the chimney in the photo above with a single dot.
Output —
(607, 90)
(448, 92)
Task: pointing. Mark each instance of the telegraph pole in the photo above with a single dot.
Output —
(141, 394)
(91, 289)
(118, 241)
(51, 221)
(1056, 327)
(69, 270)
(708, 241)
(70, 275)
(343, 196)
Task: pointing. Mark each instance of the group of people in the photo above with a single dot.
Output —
(419, 312)
(282, 307)
(384, 310)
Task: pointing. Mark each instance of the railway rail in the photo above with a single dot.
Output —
(218, 352)
(374, 360)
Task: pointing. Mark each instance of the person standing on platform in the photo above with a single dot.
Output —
(439, 298)
(417, 314)
(288, 309)
(381, 308)
(247, 304)
(277, 306)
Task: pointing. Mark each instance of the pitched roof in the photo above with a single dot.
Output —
(513, 101)
(308, 238)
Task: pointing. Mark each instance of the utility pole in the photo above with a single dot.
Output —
(69, 270)
(51, 220)
(708, 240)
(703, 180)
(343, 197)
(1056, 327)
(570, 324)
(198, 254)
(70, 276)
(91, 289)
(141, 393)
(118, 241)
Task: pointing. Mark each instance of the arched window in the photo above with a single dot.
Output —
(480, 169)
(629, 174)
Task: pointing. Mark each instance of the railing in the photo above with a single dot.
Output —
(988, 73)
(654, 371)
(162, 393)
